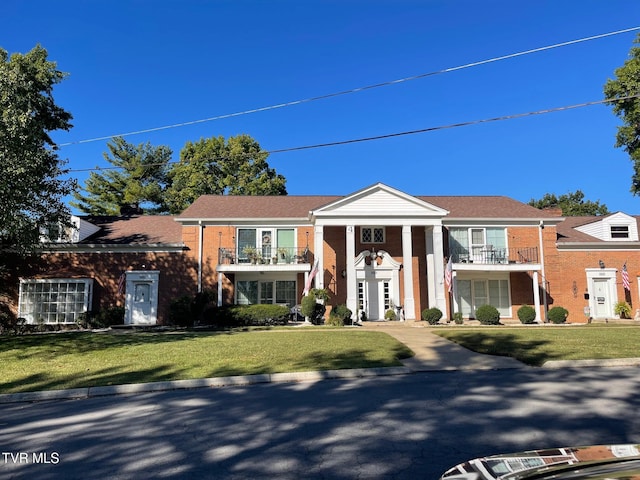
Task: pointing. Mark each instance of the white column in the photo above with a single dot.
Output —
(431, 273)
(318, 248)
(220, 289)
(536, 297)
(407, 261)
(440, 300)
(352, 300)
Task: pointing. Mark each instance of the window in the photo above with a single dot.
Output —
(250, 292)
(619, 231)
(471, 244)
(477, 292)
(387, 297)
(54, 300)
(267, 242)
(372, 234)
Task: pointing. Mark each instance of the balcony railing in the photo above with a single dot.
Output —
(488, 254)
(263, 256)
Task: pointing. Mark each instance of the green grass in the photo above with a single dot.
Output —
(537, 344)
(83, 359)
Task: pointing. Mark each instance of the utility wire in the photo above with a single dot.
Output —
(354, 90)
(411, 132)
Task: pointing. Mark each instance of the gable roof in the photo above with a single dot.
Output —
(253, 206)
(134, 230)
(487, 207)
(228, 207)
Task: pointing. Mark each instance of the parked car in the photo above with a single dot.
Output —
(604, 462)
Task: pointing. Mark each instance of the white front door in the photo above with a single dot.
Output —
(141, 306)
(602, 298)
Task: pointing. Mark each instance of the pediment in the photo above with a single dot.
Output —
(379, 201)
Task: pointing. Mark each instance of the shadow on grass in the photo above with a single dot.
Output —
(109, 376)
(530, 352)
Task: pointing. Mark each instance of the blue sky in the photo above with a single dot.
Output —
(136, 65)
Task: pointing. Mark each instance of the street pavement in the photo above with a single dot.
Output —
(444, 406)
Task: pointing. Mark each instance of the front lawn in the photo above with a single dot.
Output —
(536, 345)
(83, 359)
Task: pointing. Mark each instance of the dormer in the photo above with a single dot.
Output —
(78, 231)
(617, 227)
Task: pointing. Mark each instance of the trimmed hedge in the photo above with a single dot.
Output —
(431, 315)
(527, 314)
(558, 315)
(488, 315)
(247, 316)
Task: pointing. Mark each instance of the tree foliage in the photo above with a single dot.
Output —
(31, 188)
(572, 204)
(215, 166)
(618, 90)
(136, 184)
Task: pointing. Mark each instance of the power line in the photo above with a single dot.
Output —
(414, 132)
(354, 90)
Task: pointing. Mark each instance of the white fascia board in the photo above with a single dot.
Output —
(600, 246)
(514, 222)
(106, 248)
(245, 221)
(377, 220)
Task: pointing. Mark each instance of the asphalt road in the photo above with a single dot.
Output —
(395, 427)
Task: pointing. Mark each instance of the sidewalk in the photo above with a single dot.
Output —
(433, 352)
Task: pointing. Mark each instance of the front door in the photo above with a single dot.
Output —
(141, 307)
(602, 300)
(373, 288)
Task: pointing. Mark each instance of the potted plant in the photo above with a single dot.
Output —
(622, 309)
(282, 254)
(251, 253)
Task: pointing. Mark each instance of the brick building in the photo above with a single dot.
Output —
(375, 250)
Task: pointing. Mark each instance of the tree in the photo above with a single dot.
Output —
(136, 185)
(213, 166)
(572, 204)
(31, 190)
(618, 90)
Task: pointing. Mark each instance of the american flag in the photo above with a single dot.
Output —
(625, 278)
(448, 272)
(313, 273)
(121, 283)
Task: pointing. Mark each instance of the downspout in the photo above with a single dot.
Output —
(544, 277)
(200, 255)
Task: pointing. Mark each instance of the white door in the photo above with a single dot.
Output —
(602, 298)
(141, 307)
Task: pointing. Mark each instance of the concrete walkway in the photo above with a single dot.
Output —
(433, 352)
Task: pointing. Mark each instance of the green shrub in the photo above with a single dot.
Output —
(246, 315)
(102, 318)
(343, 312)
(181, 311)
(527, 314)
(431, 315)
(390, 315)
(457, 318)
(488, 315)
(313, 310)
(334, 320)
(558, 315)
(623, 309)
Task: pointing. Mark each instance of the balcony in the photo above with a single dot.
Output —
(265, 258)
(489, 255)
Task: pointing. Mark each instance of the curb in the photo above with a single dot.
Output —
(605, 362)
(293, 377)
